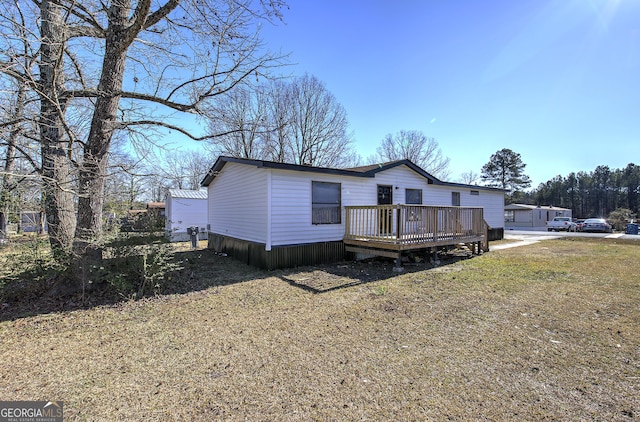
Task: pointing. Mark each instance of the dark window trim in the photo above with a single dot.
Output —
(455, 197)
(509, 216)
(336, 216)
(406, 199)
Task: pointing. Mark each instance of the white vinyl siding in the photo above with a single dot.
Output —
(183, 213)
(491, 201)
(238, 202)
(402, 177)
(291, 207)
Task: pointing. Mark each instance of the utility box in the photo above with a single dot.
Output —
(193, 233)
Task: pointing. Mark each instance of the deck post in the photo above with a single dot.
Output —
(398, 268)
(434, 259)
(398, 226)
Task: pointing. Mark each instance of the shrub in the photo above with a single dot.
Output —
(136, 266)
(620, 217)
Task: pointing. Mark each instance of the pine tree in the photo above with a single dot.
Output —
(505, 169)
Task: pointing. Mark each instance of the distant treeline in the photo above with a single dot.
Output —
(589, 194)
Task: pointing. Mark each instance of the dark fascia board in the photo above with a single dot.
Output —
(432, 179)
(222, 160)
(473, 187)
(408, 163)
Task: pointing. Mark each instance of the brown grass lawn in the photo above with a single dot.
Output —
(542, 332)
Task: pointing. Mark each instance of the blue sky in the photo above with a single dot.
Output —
(557, 81)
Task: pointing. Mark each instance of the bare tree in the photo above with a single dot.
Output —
(132, 64)
(157, 187)
(470, 177)
(319, 125)
(413, 145)
(195, 167)
(124, 183)
(56, 170)
(10, 140)
(278, 131)
(297, 121)
(181, 169)
(33, 68)
(240, 117)
(205, 28)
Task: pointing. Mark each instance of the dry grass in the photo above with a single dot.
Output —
(542, 332)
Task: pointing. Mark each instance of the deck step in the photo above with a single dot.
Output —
(371, 251)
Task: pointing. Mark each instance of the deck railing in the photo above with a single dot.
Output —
(406, 226)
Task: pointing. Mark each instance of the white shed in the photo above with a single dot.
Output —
(259, 210)
(185, 208)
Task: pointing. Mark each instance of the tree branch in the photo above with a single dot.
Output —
(178, 129)
(161, 13)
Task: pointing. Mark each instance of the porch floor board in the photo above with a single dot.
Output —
(407, 243)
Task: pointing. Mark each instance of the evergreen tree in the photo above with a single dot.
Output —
(505, 169)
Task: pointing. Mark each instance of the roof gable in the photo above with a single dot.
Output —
(534, 207)
(188, 193)
(363, 171)
(222, 160)
(372, 169)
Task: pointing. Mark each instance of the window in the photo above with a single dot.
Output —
(455, 199)
(326, 203)
(475, 192)
(509, 216)
(413, 196)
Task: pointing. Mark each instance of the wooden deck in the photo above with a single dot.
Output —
(390, 229)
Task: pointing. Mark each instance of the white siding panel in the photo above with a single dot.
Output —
(437, 195)
(291, 208)
(359, 191)
(238, 202)
(402, 178)
(492, 202)
(184, 212)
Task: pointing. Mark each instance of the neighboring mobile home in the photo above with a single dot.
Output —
(280, 215)
(184, 209)
(531, 217)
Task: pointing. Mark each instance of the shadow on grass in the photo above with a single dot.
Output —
(327, 278)
(30, 292)
(37, 291)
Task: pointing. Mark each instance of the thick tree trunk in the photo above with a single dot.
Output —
(96, 152)
(57, 189)
(4, 217)
(9, 163)
(120, 33)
